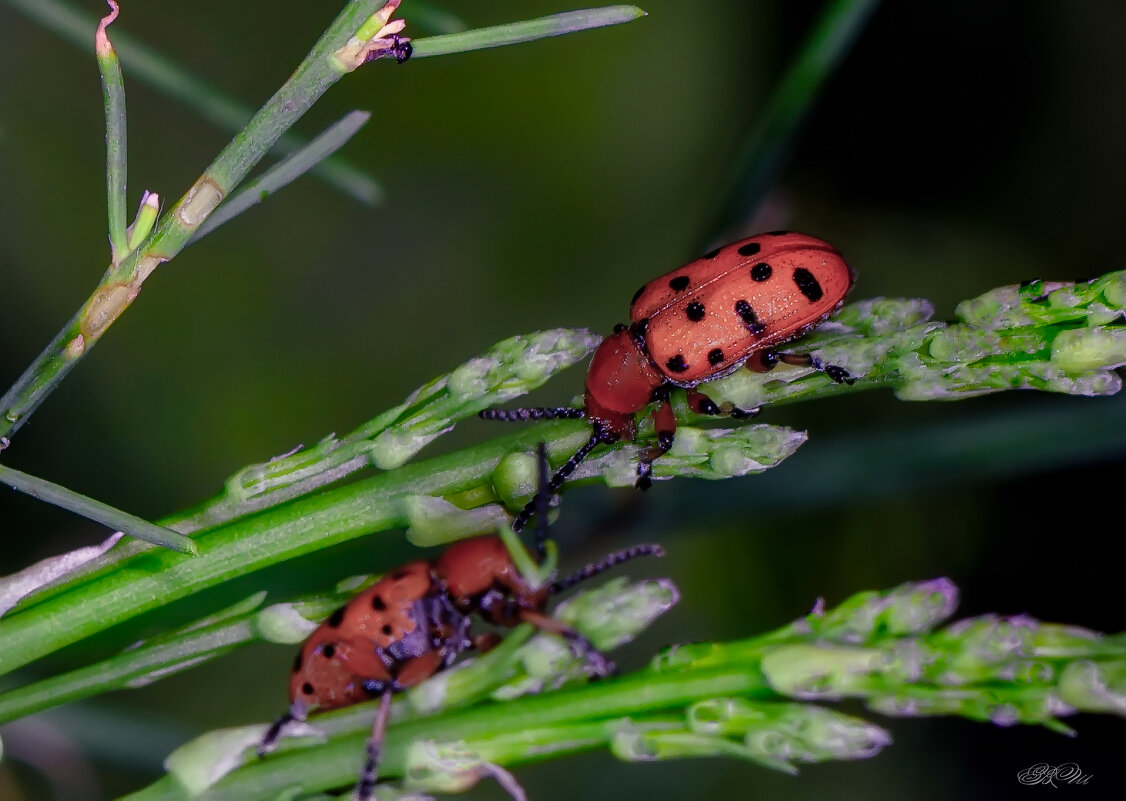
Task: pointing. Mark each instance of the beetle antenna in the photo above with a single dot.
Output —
(543, 496)
(556, 481)
(533, 413)
(605, 564)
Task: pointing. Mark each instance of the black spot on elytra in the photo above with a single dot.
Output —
(329, 651)
(307, 688)
(679, 284)
(807, 284)
(761, 271)
(711, 254)
(377, 603)
(336, 618)
(619, 328)
(677, 364)
(387, 629)
(637, 294)
(715, 356)
(749, 249)
(777, 233)
(748, 316)
(695, 311)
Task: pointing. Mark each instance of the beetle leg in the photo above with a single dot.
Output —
(665, 424)
(765, 360)
(702, 404)
(838, 374)
(596, 664)
(370, 773)
(601, 436)
(541, 500)
(297, 712)
(762, 362)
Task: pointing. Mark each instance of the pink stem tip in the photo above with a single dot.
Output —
(101, 42)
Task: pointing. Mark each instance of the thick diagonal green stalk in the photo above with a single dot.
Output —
(506, 371)
(151, 579)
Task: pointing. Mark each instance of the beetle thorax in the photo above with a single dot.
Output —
(620, 382)
(480, 576)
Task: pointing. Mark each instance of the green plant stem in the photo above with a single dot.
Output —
(113, 90)
(547, 720)
(320, 69)
(122, 283)
(286, 171)
(97, 511)
(154, 69)
(525, 31)
(764, 153)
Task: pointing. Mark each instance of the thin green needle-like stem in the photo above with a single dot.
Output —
(286, 171)
(526, 31)
(763, 155)
(113, 89)
(95, 510)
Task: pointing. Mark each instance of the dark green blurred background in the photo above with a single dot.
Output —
(962, 145)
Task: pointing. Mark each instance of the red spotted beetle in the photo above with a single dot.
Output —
(729, 309)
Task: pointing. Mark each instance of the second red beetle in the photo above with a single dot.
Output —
(417, 620)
